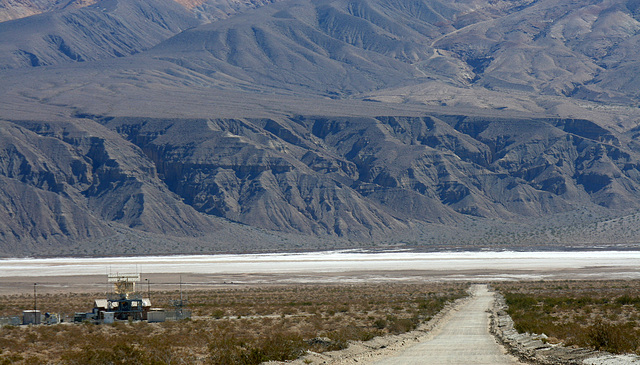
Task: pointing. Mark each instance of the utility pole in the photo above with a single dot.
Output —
(35, 299)
(148, 288)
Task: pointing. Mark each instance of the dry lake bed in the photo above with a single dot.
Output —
(202, 271)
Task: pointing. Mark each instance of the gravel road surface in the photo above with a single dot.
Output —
(464, 339)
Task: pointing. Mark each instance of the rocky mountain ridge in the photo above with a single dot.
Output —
(342, 123)
(357, 178)
(426, 168)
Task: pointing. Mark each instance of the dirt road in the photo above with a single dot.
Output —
(463, 339)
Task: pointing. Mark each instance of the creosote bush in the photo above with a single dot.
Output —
(234, 325)
(602, 315)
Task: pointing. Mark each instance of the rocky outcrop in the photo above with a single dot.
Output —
(362, 176)
(65, 182)
(239, 170)
(358, 178)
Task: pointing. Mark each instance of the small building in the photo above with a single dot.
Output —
(108, 317)
(31, 316)
(156, 315)
(123, 307)
(124, 303)
(80, 317)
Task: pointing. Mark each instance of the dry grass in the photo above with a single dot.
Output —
(604, 315)
(230, 326)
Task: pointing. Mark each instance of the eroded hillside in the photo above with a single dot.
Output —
(367, 121)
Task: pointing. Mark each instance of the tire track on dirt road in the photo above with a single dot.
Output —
(464, 339)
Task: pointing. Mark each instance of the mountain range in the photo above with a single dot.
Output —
(161, 126)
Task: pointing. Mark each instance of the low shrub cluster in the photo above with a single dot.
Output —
(603, 315)
(236, 325)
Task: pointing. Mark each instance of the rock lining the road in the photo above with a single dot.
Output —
(532, 349)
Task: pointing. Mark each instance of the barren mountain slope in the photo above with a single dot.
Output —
(295, 173)
(359, 120)
(110, 28)
(335, 48)
(204, 10)
(80, 31)
(81, 176)
(16, 9)
(583, 49)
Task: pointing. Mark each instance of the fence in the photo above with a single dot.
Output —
(17, 320)
(11, 321)
(177, 315)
